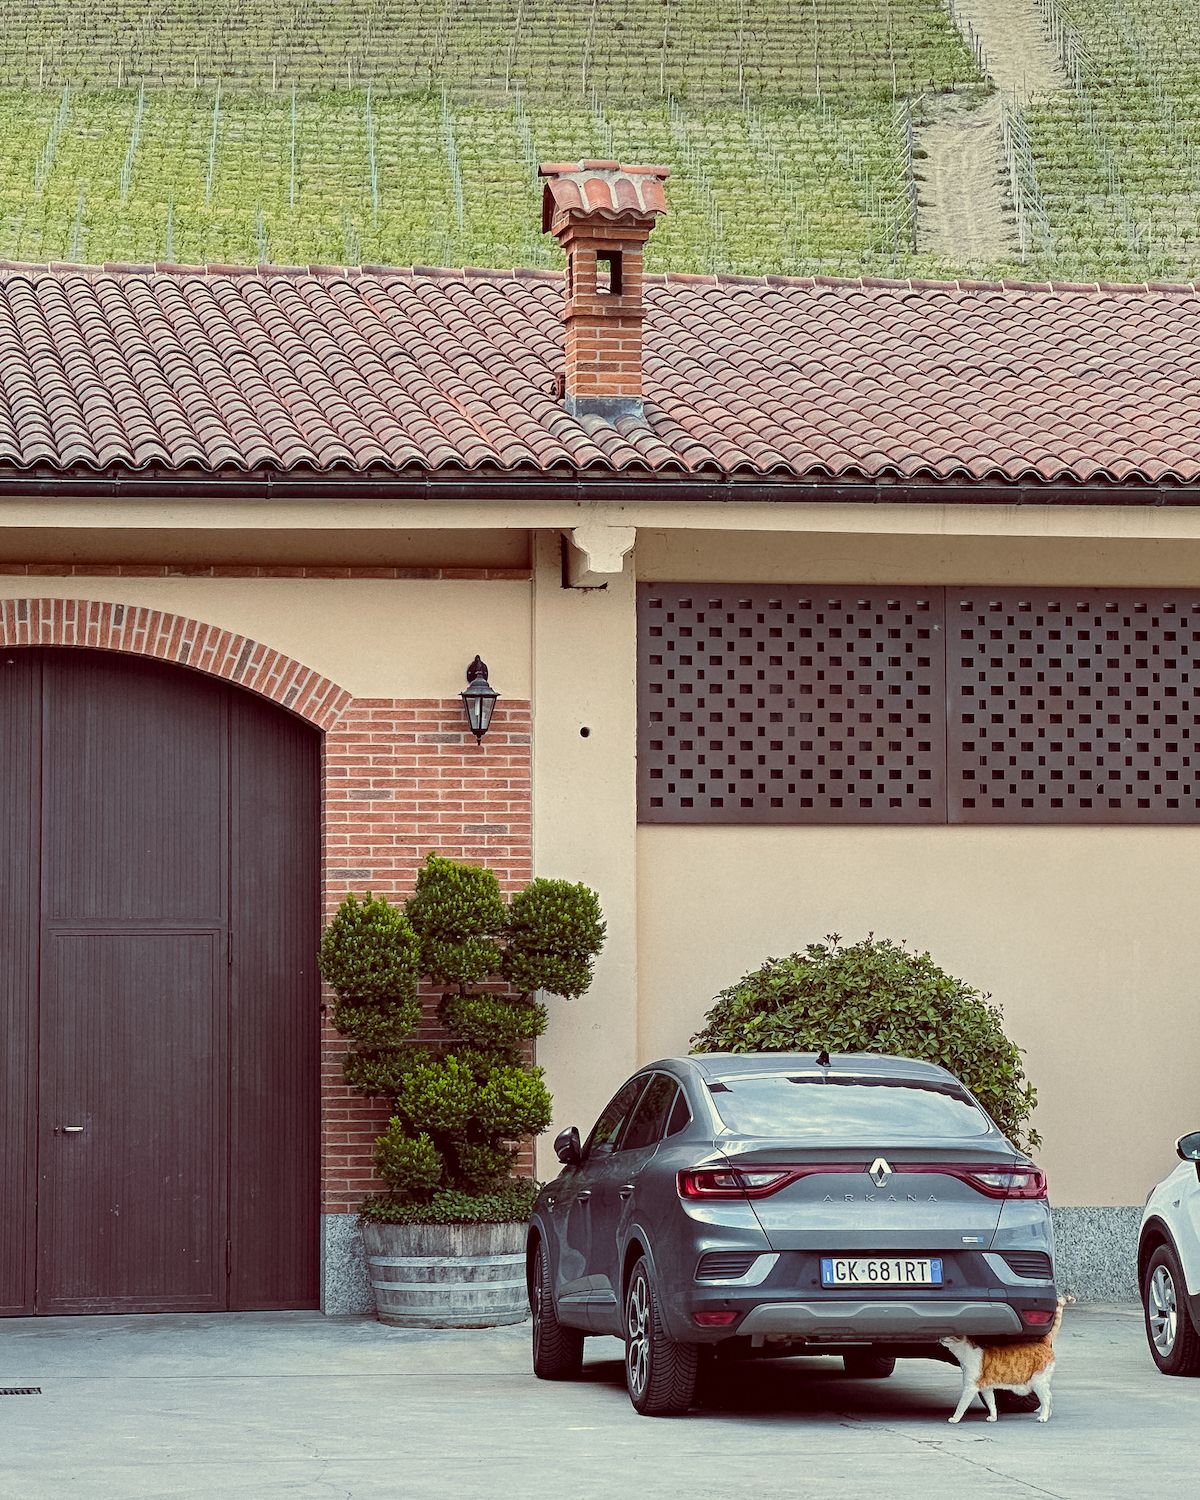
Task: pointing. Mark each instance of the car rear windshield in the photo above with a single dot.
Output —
(777, 1105)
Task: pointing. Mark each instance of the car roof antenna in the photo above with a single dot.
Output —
(823, 1059)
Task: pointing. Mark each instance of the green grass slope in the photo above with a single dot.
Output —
(1117, 153)
(626, 49)
(356, 130)
(374, 131)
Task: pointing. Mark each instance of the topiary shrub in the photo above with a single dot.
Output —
(370, 957)
(877, 996)
(458, 913)
(555, 930)
(448, 1154)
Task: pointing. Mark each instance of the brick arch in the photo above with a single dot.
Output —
(143, 631)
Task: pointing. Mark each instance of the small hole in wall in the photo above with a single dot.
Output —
(584, 732)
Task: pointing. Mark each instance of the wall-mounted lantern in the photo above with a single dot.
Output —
(479, 699)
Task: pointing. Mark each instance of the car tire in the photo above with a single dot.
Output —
(868, 1366)
(660, 1373)
(1173, 1340)
(557, 1350)
(1014, 1404)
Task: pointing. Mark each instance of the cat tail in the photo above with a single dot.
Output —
(1058, 1316)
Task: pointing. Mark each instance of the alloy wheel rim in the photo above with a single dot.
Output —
(1163, 1311)
(637, 1342)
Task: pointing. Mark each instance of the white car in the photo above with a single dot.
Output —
(1169, 1264)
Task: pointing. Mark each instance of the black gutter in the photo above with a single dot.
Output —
(581, 490)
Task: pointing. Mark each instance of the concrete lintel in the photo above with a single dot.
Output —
(597, 552)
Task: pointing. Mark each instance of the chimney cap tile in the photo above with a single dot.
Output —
(596, 189)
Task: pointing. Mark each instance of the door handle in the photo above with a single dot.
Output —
(580, 1197)
(627, 1190)
(68, 1129)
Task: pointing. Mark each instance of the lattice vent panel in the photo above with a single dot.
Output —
(800, 705)
(1079, 706)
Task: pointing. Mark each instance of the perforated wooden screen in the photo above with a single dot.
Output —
(764, 704)
(1078, 706)
(768, 705)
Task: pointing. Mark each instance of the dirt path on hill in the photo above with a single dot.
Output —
(964, 217)
(1020, 58)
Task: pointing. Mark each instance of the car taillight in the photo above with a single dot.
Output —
(1008, 1182)
(735, 1182)
(761, 1181)
(1038, 1317)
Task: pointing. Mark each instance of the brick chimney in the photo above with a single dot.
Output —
(602, 213)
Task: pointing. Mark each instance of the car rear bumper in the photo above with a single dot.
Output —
(838, 1321)
(781, 1297)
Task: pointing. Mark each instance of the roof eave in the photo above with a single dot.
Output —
(503, 487)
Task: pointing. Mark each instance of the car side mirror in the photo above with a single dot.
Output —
(567, 1147)
(1188, 1146)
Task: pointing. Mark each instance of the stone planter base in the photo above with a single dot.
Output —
(447, 1275)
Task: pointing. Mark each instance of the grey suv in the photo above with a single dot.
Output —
(785, 1203)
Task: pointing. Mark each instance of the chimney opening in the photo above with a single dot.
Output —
(608, 273)
(571, 275)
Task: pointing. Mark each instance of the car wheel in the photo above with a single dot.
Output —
(660, 1373)
(557, 1351)
(868, 1366)
(1174, 1343)
(1010, 1401)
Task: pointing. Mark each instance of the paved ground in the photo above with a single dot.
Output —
(266, 1405)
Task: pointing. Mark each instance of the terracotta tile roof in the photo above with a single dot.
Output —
(381, 371)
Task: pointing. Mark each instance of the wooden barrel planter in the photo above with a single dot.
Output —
(447, 1275)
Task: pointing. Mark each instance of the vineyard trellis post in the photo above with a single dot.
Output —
(212, 147)
(292, 156)
(135, 133)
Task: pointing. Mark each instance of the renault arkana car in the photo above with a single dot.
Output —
(785, 1203)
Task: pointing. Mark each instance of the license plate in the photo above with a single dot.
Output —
(879, 1271)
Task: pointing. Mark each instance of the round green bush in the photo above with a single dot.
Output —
(438, 1096)
(387, 1024)
(877, 996)
(555, 930)
(457, 912)
(481, 1167)
(492, 1021)
(382, 1074)
(370, 953)
(513, 1101)
(408, 1164)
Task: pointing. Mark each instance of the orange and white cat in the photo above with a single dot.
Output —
(1008, 1367)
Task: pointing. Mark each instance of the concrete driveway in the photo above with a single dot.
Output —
(255, 1405)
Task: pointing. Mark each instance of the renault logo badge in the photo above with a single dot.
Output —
(879, 1172)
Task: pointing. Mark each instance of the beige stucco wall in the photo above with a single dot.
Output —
(845, 557)
(585, 823)
(378, 638)
(221, 543)
(1086, 937)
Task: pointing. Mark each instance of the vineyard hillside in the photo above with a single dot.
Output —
(822, 137)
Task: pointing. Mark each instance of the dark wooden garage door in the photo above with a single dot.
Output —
(158, 995)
